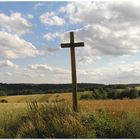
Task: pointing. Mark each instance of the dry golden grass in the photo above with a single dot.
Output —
(9, 111)
(22, 98)
(112, 105)
(87, 105)
(37, 97)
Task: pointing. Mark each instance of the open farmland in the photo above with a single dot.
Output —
(20, 102)
(37, 97)
(13, 112)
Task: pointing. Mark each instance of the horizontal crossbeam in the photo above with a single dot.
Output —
(69, 45)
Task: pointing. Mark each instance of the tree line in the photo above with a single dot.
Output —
(112, 93)
(96, 91)
(28, 89)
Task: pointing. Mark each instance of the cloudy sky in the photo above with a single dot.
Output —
(31, 33)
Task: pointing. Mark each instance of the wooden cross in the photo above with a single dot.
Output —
(72, 46)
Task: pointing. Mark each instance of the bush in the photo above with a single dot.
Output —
(131, 127)
(109, 93)
(133, 93)
(104, 125)
(97, 94)
(86, 96)
(113, 94)
(51, 121)
(9, 126)
(3, 101)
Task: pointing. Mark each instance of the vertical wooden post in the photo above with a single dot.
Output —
(72, 46)
(73, 69)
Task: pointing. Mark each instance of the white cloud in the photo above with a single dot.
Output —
(109, 28)
(37, 73)
(12, 46)
(7, 63)
(50, 18)
(88, 59)
(9, 74)
(46, 68)
(122, 73)
(43, 73)
(30, 16)
(37, 5)
(70, 8)
(41, 67)
(14, 23)
(51, 36)
(32, 76)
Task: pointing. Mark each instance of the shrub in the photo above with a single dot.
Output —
(51, 121)
(131, 127)
(113, 94)
(59, 121)
(3, 101)
(2, 133)
(129, 93)
(104, 125)
(97, 94)
(86, 96)
(133, 93)
(9, 126)
(109, 93)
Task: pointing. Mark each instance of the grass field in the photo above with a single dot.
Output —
(20, 102)
(12, 112)
(38, 97)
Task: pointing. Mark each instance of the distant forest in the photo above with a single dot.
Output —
(26, 89)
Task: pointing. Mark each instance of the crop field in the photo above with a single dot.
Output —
(17, 107)
(20, 102)
(38, 97)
